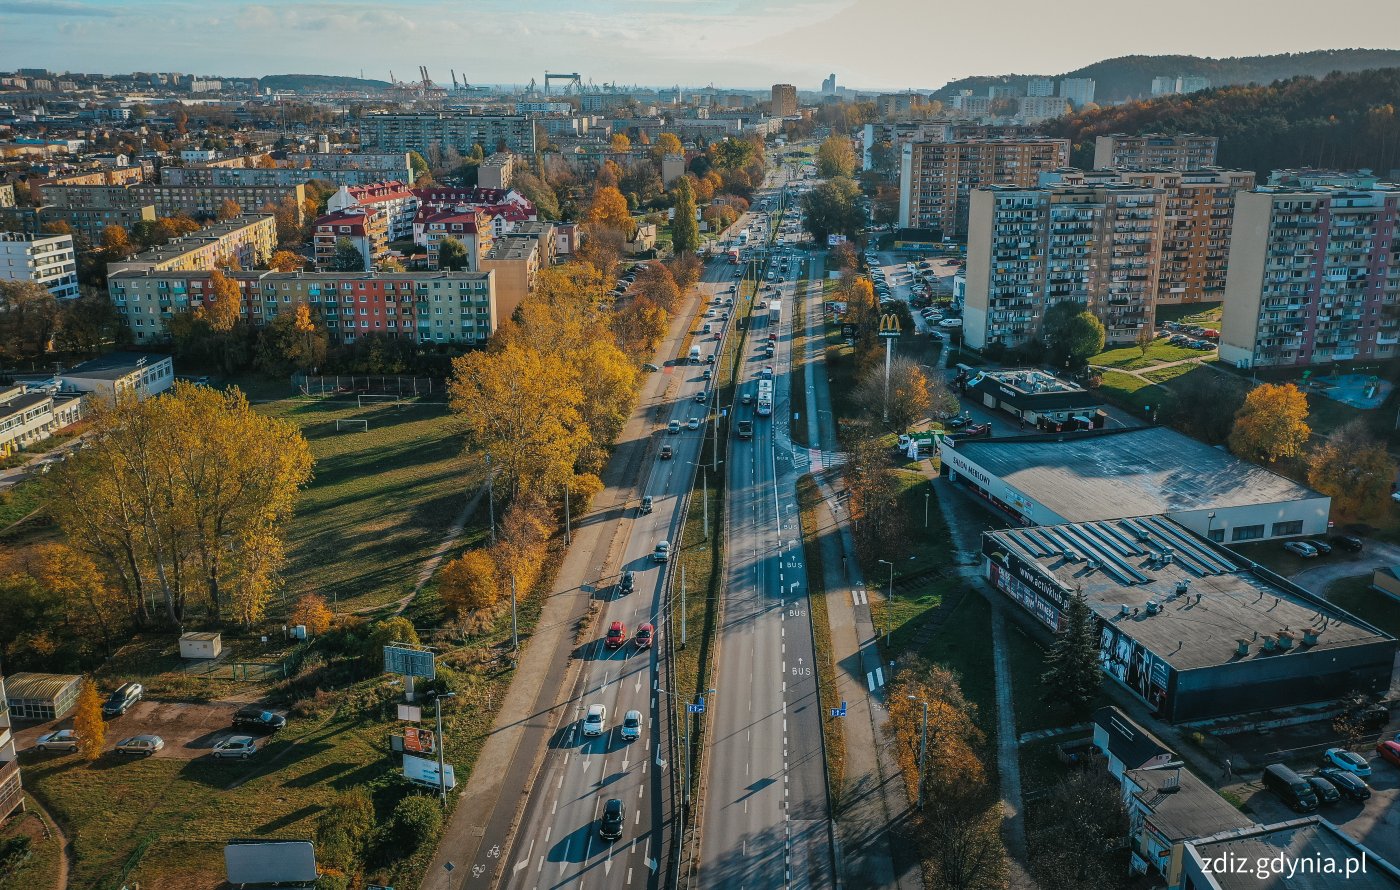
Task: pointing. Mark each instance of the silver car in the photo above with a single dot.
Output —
(142, 745)
(62, 740)
(241, 746)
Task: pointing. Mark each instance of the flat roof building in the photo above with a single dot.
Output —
(249, 239)
(46, 260)
(111, 375)
(1144, 471)
(1192, 629)
(937, 178)
(40, 697)
(418, 131)
(1040, 399)
(1180, 151)
(1314, 855)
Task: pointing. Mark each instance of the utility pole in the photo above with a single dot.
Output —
(926, 508)
(889, 597)
(704, 499)
(442, 770)
(491, 496)
(566, 514)
(514, 622)
(682, 606)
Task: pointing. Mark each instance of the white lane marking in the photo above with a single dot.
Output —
(547, 830)
(858, 598)
(554, 807)
(880, 676)
(870, 680)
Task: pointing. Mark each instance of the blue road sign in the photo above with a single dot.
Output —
(839, 712)
(696, 709)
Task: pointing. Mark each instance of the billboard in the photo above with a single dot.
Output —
(833, 240)
(409, 662)
(422, 771)
(287, 863)
(418, 741)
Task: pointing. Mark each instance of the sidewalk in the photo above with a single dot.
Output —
(486, 815)
(873, 801)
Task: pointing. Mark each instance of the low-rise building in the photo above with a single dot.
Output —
(1189, 628)
(366, 228)
(1040, 400)
(515, 262)
(46, 260)
(29, 416)
(247, 241)
(11, 787)
(1300, 854)
(41, 697)
(114, 375)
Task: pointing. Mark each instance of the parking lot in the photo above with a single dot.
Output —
(189, 729)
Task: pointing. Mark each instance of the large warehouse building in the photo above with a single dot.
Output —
(1192, 629)
(1146, 471)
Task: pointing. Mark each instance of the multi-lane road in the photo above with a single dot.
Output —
(765, 819)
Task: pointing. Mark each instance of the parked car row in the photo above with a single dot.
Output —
(1341, 777)
(1314, 547)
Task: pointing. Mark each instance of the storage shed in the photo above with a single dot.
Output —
(41, 696)
(197, 644)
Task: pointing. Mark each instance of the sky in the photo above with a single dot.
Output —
(869, 44)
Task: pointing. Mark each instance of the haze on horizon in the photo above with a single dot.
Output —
(870, 44)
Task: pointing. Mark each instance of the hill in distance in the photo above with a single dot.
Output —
(1130, 77)
(319, 82)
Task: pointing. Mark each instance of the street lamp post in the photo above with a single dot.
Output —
(889, 596)
(566, 514)
(491, 496)
(442, 769)
(514, 622)
(926, 494)
(923, 750)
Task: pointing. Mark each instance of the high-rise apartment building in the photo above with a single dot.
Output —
(1183, 151)
(1078, 91)
(1314, 277)
(1040, 86)
(1031, 248)
(447, 129)
(11, 791)
(784, 100)
(936, 179)
(247, 241)
(195, 201)
(426, 307)
(1197, 211)
(1173, 84)
(829, 85)
(46, 260)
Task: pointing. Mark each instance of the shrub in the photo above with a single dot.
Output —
(415, 821)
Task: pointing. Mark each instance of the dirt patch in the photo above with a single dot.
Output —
(189, 729)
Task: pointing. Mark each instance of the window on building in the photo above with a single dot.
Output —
(1288, 528)
(1247, 533)
(1217, 535)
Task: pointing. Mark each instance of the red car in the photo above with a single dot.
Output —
(976, 430)
(617, 635)
(1389, 752)
(645, 636)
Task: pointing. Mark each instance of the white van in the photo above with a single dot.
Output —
(695, 355)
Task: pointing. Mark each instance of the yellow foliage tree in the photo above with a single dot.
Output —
(312, 612)
(620, 142)
(223, 302)
(1354, 469)
(469, 583)
(228, 209)
(1272, 423)
(608, 210)
(88, 723)
(669, 144)
(89, 602)
(287, 261)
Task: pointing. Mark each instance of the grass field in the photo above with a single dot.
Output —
(40, 870)
(1131, 358)
(1206, 315)
(833, 731)
(381, 500)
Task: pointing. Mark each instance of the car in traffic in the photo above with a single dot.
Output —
(646, 505)
(62, 740)
(140, 745)
(617, 635)
(631, 728)
(693, 423)
(595, 721)
(666, 452)
(701, 396)
(644, 637)
(240, 746)
(673, 427)
(257, 717)
(613, 818)
(1300, 548)
(1348, 760)
(628, 582)
(662, 553)
(1351, 786)
(1389, 751)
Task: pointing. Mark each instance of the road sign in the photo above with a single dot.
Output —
(696, 709)
(409, 662)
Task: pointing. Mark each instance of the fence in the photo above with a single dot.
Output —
(369, 384)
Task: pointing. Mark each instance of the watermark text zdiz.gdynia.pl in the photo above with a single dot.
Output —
(1265, 868)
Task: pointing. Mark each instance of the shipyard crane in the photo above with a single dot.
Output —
(573, 81)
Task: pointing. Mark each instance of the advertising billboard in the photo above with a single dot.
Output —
(422, 771)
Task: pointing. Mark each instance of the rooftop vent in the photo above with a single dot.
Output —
(1310, 636)
(1153, 607)
(1172, 783)
(1285, 639)
(1241, 647)
(1183, 585)
(1125, 610)
(1270, 644)
(1069, 555)
(1091, 564)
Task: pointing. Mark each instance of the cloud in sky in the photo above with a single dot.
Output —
(868, 43)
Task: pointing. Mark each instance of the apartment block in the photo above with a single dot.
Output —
(1314, 277)
(89, 222)
(1035, 109)
(11, 789)
(247, 241)
(7, 195)
(419, 131)
(1031, 248)
(427, 307)
(28, 416)
(469, 226)
(496, 171)
(195, 201)
(936, 179)
(784, 100)
(105, 176)
(1040, 86)
(395, 199)
(1198, 211)
(1078, 90)
(367, 228)
(47, 260)
(515, 263)
(1184, 151)
(343, 169)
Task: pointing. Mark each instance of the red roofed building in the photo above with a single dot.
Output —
(397, 201)
(366, 228)
(469, 225)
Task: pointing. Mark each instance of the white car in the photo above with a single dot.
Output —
(240, 746)
(595, 723)
(950, 323)
(63, 740)
(631, 728)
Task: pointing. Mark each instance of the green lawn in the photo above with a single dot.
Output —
(40, 870)
(1162, 375)
(1131, 358)
(1206, 315)
(964, 644)
(18, 501)
(1357, 597)
(381, 500)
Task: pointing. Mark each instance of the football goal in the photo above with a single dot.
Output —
(365, 398)
(351, 423)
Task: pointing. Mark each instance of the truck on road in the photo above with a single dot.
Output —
(695, 355)
(745, 429)
(775, 312)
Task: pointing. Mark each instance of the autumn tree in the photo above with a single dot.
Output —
(657, 283)
(287, 261)
(685, 234)
(1205, 403)
(223, 302)
(228, 209)
(620, 143)
(185, 494)
(452, 255)
(312, 613)
(28, 319)
(115, 243)
(836, 156)
(1272, 423)
(880, 519)
(833, 208)
(668, 144)
(88, 722)
(1074, 833)
(640, 325)
(913, 395)
(1354, 469)
(1073, 676)
(1144, 340)
(468, 583)
(92, 611)
(608, 210)
(1072, 334)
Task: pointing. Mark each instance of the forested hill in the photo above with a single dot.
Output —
(1130, 77)
(1343, 121)
(319, 82)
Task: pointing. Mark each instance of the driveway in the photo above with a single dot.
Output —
(1341, 564)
